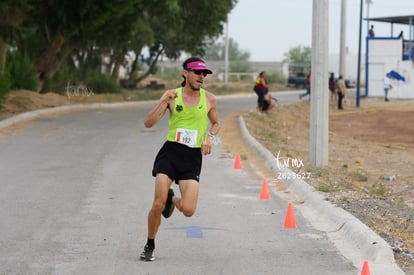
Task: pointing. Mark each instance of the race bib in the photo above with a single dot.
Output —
(186, 136)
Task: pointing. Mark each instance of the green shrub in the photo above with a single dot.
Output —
(22, 72)
(5, 84)
(378, 189)
(276, 77)
(66, 75)
(240, 66)
(360, 176)
(101, 84)
(58, 82)
(55, 84)
(326, 188)
(169, 74)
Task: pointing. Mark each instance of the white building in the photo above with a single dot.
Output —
(394, 55)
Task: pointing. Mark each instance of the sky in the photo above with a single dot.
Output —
(267, 29)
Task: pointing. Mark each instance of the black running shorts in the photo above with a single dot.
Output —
(178, 162)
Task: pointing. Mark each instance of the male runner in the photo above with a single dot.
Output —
(191, 108)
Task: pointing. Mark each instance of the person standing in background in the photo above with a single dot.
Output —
(261, 90)
(371, 32)
(341, 92)
(387, 86)
(308, 87)
(332, 88)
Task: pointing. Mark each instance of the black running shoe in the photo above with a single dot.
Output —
(146, 255)
(169, 205)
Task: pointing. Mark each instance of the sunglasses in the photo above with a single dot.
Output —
(198, 72)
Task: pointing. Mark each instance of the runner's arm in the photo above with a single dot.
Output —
(215, 127)
(213, 116)
(159, 110)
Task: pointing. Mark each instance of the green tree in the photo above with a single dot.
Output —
(84, 32)
(13, 14)
(298, 55)
(188, 26)
(217, 50)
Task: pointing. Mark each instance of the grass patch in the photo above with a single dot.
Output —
(378, 189)
(360, 176)
(326, 188)
(320, 172)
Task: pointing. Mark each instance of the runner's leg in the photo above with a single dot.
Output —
(187, 204)
(162, 184)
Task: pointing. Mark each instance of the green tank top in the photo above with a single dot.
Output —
(188, 125)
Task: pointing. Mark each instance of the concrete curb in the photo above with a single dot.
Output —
(66, 108)
(353, 239)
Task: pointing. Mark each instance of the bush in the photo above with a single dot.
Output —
(276, 77)
(169, 74)
(22, 72)
(240, 66)
(101, 84)
(4, 87)
(58, 82)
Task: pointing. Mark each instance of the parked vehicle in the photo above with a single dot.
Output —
(298, 81)
(349, 83)
(297, 75)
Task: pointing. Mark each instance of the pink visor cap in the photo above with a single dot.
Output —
(198, 66)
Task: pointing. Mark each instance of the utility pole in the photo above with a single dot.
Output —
(342, 48)
(358, 88)
(319, 113)
(226, 54)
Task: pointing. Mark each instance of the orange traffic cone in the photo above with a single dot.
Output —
(290, 218)
(264, 194)
(365, 269)
(237, 162)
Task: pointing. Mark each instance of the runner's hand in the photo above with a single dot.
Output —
(169, 95)
(206, 146)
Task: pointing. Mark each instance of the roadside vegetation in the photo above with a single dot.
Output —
(43, 44)
(111, 49)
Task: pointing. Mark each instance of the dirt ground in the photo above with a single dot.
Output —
(371, 156)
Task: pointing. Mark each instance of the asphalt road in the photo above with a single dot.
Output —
(75, 191)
